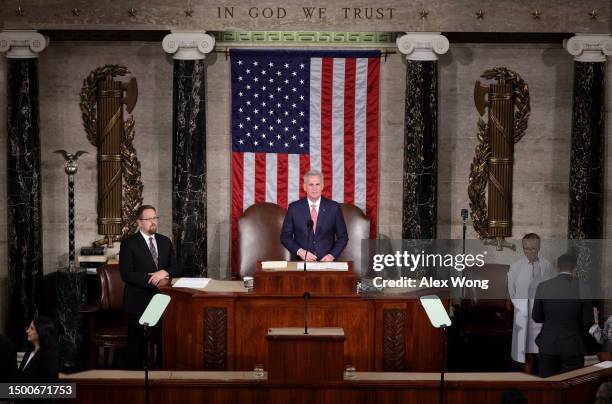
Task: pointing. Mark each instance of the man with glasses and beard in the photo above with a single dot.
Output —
(146, 262)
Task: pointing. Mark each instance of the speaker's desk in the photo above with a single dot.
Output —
(223, 327)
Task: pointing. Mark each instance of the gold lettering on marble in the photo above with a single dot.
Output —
(307, 12)
(225, 12)
(267, 12)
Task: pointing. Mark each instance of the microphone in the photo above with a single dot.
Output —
(309, 224)
(306, 297)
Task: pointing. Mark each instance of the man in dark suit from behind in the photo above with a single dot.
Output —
(146, 261)
(566, 317)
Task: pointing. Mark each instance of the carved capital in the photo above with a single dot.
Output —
(188, 45)
(423, 46)
(22, 44)
(589, 48)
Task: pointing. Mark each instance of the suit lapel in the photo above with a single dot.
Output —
(321, 215)
(305, 208)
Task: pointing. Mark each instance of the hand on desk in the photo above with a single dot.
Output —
(327, 258)
(157, 277)
(164, 282)
(306, 255)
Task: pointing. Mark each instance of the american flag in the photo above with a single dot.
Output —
(293, 111)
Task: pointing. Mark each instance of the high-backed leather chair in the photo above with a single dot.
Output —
(491, 303)
(259, 230)
(487, 317)
(358, 226)
(107, 322)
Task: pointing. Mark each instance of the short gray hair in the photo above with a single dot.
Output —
(313, 173)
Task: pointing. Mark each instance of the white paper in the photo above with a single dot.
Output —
(327, 266)
(273, 264)
(193, 283)
(605, 365)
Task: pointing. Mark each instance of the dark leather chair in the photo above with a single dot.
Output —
(489, 308)
(259, 230)
(107, 321)
(486, 320)
(358, 226)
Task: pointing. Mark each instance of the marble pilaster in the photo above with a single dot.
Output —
(24, 224)
(586, 190)
(419, 210)
(189, 149)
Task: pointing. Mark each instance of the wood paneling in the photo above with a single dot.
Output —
(459, 391)
(249, 315)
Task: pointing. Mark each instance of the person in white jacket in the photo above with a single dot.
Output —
(603, 335)
(523, 279)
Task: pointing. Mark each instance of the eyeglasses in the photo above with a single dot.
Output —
(150, 218)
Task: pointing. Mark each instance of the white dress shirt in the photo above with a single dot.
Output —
(147, 237)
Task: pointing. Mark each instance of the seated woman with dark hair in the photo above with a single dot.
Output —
(41, 361)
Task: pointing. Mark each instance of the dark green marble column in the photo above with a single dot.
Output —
(24, 225)
(419, 207)
(189, 149)
(587, 158)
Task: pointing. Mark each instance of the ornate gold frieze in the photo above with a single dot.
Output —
(119, 178)
(507, 104)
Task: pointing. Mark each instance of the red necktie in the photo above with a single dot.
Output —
(313, 216)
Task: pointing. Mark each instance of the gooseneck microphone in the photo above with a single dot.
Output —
(309, 224)
(306, 297)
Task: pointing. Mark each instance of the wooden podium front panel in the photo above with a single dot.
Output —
(296, 282)
(227, 331)
(255, 315)
(295, 357)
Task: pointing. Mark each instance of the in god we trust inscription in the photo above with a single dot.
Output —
(307, 13)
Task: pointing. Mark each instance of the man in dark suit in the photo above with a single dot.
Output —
(8, 359)
(146, 261)
(566, 316)
(314, 228)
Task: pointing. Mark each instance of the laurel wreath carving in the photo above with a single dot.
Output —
(130, 165)
(480, 164)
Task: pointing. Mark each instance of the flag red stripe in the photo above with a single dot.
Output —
(372, 123)
(327, 81)
(282, 172)
(260, 177)
(237, 201)
(350, 73)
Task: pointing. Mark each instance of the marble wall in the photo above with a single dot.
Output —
(540, 178)
(4, 297)
(541, 172)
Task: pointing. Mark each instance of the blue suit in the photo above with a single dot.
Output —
(330, 236)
